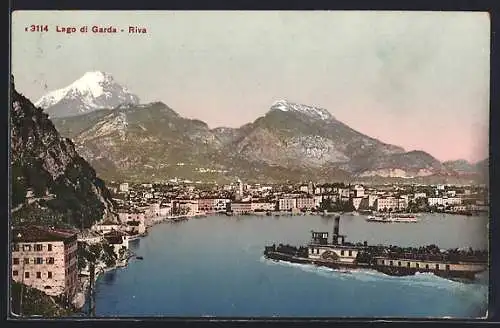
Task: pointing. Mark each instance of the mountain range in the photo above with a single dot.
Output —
(123, 139)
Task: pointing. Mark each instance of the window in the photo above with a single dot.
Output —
(399, 263)
(38, 247)
(39, 260)
(49, 247)
(16, 248)
(350, 253)
(26, 275)
(26, 260)
(437, 266)
(15, 260)
(417, 265)
(38, 275)
(427, 266)
(50, 260)
(447, 267)
(49, 275)
(342, 253)
(390, 263)
(26, 248)
(408, 264)
(14, 273)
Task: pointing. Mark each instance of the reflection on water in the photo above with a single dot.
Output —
(109, 277)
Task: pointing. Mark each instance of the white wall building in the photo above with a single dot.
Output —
(435, 201)
(359, 191)
(387, 203)
(305, 203)
(263, 206)
(123, 187)
(285, 204)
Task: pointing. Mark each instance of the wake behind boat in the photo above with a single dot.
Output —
(403, 218)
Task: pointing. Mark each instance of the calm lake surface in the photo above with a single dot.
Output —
(213, 266)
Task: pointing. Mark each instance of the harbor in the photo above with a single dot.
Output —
(180, 271)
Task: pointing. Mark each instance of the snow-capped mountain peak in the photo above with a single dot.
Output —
(94, 90)
(311, 111)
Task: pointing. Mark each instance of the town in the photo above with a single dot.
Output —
(65, 263)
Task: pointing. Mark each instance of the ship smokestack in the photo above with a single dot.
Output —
(336, 230)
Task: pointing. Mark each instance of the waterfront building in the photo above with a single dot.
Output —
(386, 203)
(165, 209)
(306, 203)
(206, 205)
(118, 240)
(286, 204)
(262, 206)
(220, 205)
(185, 206)
(241, 208)
(45, 259)
(304, 189)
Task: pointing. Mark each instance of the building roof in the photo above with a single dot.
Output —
(41, 234)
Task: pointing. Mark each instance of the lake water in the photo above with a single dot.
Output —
(213, 266)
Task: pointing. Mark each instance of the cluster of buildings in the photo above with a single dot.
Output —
(145, 202)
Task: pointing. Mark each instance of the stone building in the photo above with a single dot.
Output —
(45, 259)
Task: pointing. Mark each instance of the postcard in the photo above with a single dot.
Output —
(265, 164)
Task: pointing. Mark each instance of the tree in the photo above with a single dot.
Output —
(108, 255)
(326, 205)
(121, 252)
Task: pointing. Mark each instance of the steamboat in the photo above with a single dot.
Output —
(338, 254)
(402, 218)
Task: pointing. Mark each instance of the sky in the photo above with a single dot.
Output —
(419, 80)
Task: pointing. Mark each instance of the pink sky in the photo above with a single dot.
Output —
(416, 79)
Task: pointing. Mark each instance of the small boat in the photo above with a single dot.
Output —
(139, 257)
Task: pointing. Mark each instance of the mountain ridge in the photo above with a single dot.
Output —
(289, 136)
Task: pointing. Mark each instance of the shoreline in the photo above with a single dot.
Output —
(81, 297)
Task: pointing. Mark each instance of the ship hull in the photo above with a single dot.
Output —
(391, 271)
